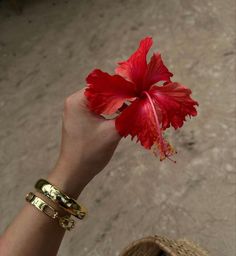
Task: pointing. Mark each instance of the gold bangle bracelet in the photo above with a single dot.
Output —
(64, 201)
(65, 222)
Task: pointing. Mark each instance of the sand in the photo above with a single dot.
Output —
(45, 55)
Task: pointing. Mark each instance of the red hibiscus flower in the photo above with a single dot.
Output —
(146, 109)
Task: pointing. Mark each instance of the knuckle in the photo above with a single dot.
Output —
(68, 103)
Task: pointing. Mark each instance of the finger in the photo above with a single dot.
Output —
(80, 99)
(113, 129)
(79, 96)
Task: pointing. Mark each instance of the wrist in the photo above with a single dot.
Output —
(65, 185)
(71, 183)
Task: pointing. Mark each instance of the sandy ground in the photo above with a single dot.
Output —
(46, 53)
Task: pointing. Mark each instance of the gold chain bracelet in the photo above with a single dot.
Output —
(64, 221)
(64, 201)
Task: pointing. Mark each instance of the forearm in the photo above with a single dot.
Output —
(88, 143)
(33, 232)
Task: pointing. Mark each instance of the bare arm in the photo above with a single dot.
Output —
(88, 143)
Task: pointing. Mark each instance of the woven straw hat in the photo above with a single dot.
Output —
(162, 246)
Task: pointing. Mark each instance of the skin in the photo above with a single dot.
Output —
(88, 143)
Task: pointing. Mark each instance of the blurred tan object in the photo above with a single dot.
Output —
(162, 246)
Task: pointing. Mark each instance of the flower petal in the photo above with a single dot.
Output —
(135, 67)
(156, 71)
(173, 103)
(107, 93)
(139, 120)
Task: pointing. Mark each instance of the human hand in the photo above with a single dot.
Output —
(88, 143)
